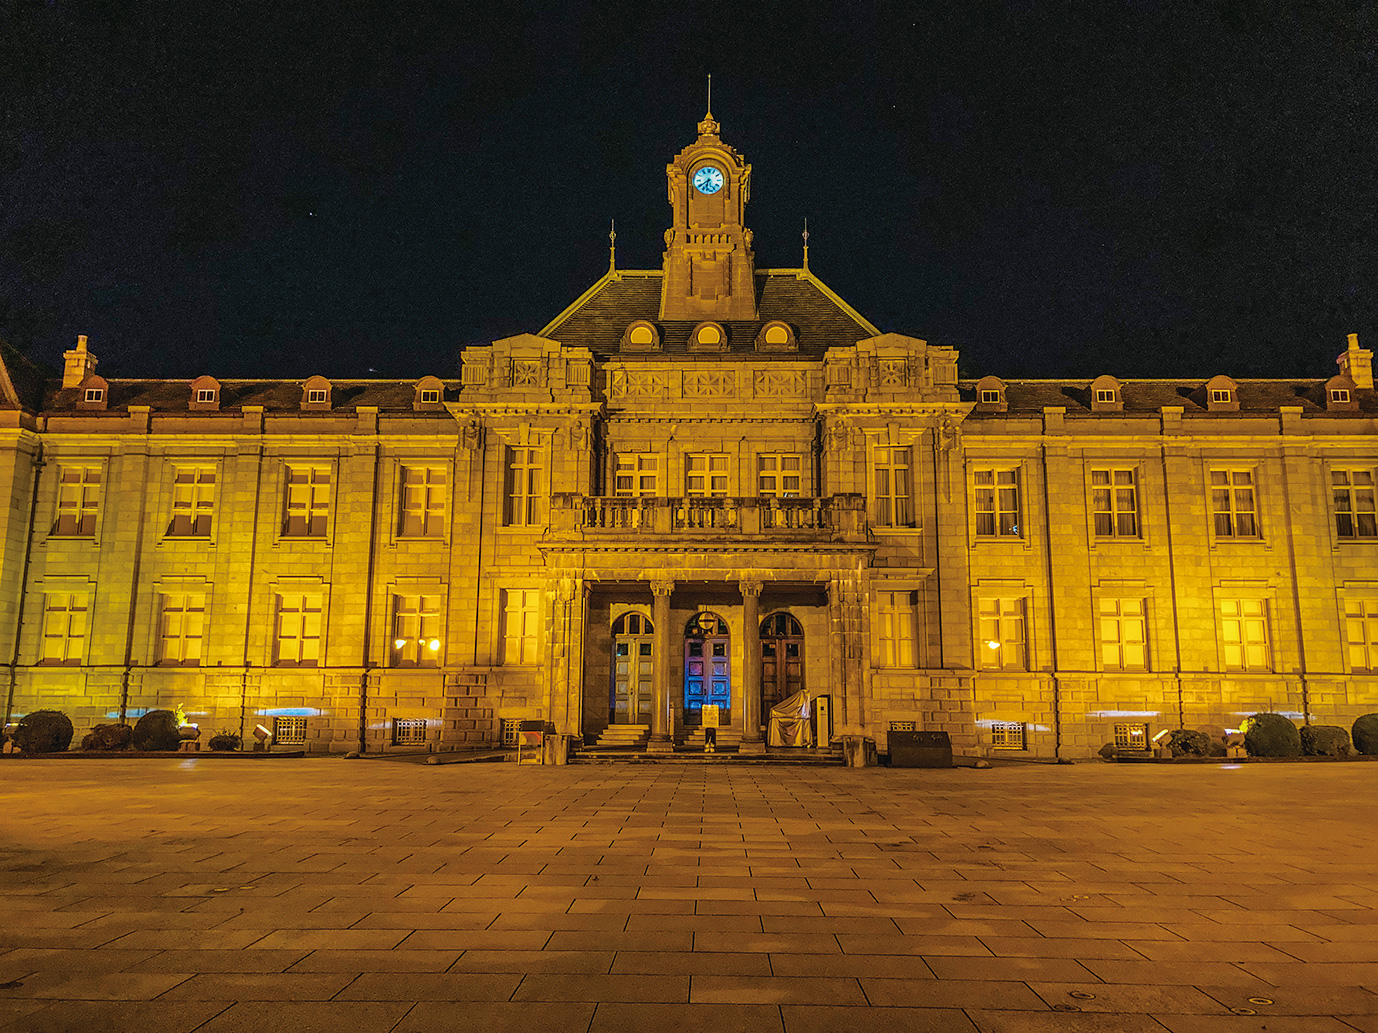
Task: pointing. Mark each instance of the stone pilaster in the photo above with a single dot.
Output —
(751, 667)
(661, 740)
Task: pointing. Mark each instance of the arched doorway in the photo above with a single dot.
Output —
(707, 667)
(632, 653)
(782, 659)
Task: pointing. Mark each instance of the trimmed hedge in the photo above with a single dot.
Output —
(225, 742)
(1324, 741)
(1366, 734)
(1186, 742)
(108, 737)
(43, 731)
(1271, 735)
(157, 730)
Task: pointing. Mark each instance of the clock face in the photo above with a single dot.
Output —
(708, 180)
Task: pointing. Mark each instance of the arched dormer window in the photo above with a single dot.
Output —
(708, 337)
(641, 336)
(205, 394)
(1341, 395)
(1222, 394)
(776, 336)
(1105, 395)
(94, 393)
(315, 395)
(990, 395)
(430, 395)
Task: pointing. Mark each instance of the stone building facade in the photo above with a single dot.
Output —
(706, 483)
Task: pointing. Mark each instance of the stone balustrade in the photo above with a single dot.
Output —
(831, 517)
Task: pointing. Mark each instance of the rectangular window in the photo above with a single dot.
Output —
(524, 494)
(1131, 737)
(1220, 395)
(180, 624)
(780, 476)
(1339, 394)
(1104, 394)
(1123, 645)
(205, 394)
(891, 469)
(520, 630)
(1008, 735)
(988, 397)
(1354, 508)
(429, 396)
(705, 476)
(409, 731)
(298, 640)
(289, 731)
(1232, 502)
(997, 502)
(308, 501)
(78, 500)
(1001, 644)
(896, 620)
(193, 501)
(1361, 633)
(317, 395)
(423, 502)
(64, 627)
(637, 476)
(416, 638)
(1115, 503)
(1244, 629)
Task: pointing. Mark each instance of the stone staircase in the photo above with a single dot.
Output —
(728, 739)
(624, 737)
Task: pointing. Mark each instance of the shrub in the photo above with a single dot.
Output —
(108, 737)
(1324, 741)
(1271, 735)
(1186, 742)
(1366, 734)
(43, 731)
(157, 730)
(225, 741)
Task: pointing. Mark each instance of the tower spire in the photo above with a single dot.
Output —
(709, 126)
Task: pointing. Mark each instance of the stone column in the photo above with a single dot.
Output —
(662, 740)
(751, 668)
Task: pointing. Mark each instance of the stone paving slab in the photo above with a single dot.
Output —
(184, 897)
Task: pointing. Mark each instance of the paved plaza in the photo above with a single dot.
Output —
(169, 896)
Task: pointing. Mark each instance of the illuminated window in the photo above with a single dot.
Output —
(779, 476)
(95, 394)
(891, 471)
(1115, 502)
(416, 630)
(1232, 502)
(64, 627)
(637, 476)
(289, 731)
(1361, 633)
(896, 618)
(423, 501)
(78, 500)
(1354, 508)
(705, 476)
(520, 627)
(193, 501)
(430, 395)
(317, 395)
(525, 499)
(308, 501)
(997, 502)
(1123, 645)
(298, 639)
(1001, 643)
(409, 731)
(1131, 737)
(180, 624)
(1008, 735)
(1244, 630)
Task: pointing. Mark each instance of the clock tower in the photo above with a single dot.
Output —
(709, 265)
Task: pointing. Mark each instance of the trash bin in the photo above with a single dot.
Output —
(859, 751)
(920, 750)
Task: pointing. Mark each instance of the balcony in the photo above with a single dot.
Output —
(836, 518)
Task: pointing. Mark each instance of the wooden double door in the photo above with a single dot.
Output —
(707, 668)
(632, 655)
(782, 660)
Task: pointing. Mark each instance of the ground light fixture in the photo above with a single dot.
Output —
(262, 735)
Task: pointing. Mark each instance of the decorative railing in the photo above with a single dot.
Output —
(834, 516)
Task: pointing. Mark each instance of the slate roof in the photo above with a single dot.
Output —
(273, 395)
(1149, 396)
(821, 320)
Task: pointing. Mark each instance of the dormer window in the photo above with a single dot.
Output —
(990, 397)
(1339, 394)
(1220, 396)
(990, 394)
(206, 394)
(776, 336)
(708, 337)
(95, 394)
(317, 395)
(641, 336)
(431, 395)
(1105, 395)
(430, 392)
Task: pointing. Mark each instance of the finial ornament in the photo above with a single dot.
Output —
(709, 126)
(612, 245)
(806, 244)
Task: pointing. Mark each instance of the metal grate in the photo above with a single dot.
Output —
(409, 731)
(902, 726)
(511, 736)
(1008, 735)
(289, 731)
(1131, 737)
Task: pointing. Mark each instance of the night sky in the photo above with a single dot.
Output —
(298, 187)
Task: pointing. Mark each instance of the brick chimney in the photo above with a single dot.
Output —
(80, 364)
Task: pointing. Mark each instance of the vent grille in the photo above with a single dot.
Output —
(289, 731)
(1131, 736)
(1008, 735)
(409, 731)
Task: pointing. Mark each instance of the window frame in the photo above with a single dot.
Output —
(524, 606)
(891, 506)
(303, 598)
(1352, 490)
(87, 503)
(312, 510)
(431, 514)
(317, 396)
(1119, 617)
(1234, 512)
(418, 610)
(1243, 618)
(72, 650)
(1006, 620)
(178, 656)
(191, 503)
(779, 475)
(709, 474)
(1112, 491)
(897, 629)
(523, 489)
(1367, 619)
(992, 492)
(634, 466)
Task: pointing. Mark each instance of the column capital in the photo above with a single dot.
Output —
(750, 587)
(662, 588)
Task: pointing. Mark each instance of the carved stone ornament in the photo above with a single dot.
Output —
(662, 588)
(750, 586)
(839, 438)
(471, 434)
(578, 432)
